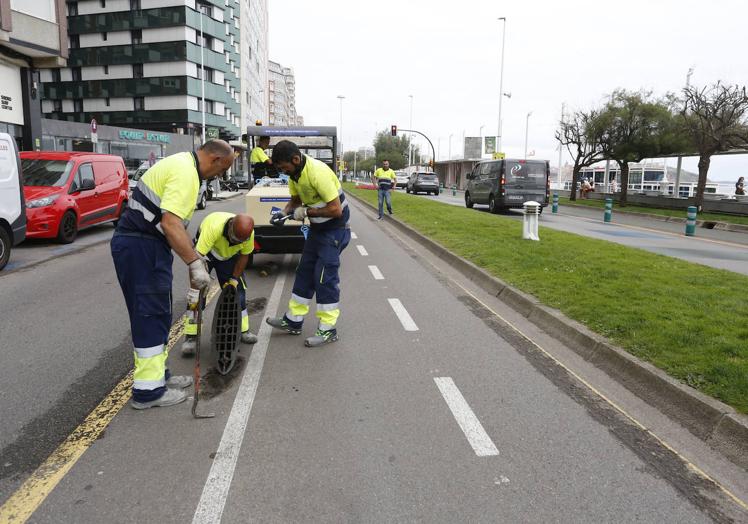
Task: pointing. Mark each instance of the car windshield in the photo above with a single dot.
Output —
(427, 177)
(52, 173)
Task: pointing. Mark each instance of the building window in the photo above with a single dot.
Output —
(135, 5)
(139, 103)
(106, 101)
(56, 75)
(76, 71)
(104, 36)
(72, 8)
(137, 36)
(75, 42)
(78, 105)
(106, 69)
(103, 3)
(137, 70)
(57, 106)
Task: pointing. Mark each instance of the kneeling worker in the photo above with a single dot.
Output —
(226, 240)
(259, 161)
(316, 194)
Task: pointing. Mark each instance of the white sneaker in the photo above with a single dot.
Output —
(179, 381)
(189, 345)
(171, 397)
(248, 338)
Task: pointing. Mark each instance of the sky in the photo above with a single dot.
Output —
(447, 55)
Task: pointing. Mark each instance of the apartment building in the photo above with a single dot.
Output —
(282, 96)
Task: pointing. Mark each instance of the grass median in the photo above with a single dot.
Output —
(687, 319)
(681, 213)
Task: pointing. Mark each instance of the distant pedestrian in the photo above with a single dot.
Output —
(385, 179)
(585, 188)
(613, 186)
(739, 186)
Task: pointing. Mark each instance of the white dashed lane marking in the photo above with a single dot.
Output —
(402, 314)
(362, 250)
(376, 273)
(354, 236)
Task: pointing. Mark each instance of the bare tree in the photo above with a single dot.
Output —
(634, 127)
(716, 119)
(581, 135)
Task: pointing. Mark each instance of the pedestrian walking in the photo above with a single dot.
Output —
(154, 223)
(226, 241)
(385, 179)
(316, 194)
(739, 186)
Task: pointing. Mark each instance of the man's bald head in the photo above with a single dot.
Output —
(216, 157)
(242, 227)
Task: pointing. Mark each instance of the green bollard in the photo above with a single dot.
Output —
(608, 210)
(554, 207)
(691, 221)
(454, 190)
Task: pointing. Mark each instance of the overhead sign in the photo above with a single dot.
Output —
(499, 156)
(129, 134)
(472, 147)
(490, 145)
(212, 132)
(11, 107)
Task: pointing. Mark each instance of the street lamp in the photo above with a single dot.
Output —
(202, 72)
(480, 133)
(410, 126)
(449, 156)
(340, 140)
(501, 79)
(527, 128)
(688, 76)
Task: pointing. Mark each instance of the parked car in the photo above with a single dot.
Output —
(204, 195)
(508, 183)
(66, 192)
(423, 182)
(401, 179)
(12, 203)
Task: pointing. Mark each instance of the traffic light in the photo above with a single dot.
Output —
(393, 130)
(431, 164)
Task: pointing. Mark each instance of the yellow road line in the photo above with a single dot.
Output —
(597, 392)
(30, 495)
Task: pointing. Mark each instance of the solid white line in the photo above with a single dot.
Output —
(376, 273)
(216, 489)
(354, 236)
(402, 314)
(469, 423)
(362, 250)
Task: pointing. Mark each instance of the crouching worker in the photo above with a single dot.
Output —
(226, 241)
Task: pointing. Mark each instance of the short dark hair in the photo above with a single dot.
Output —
(385, 160)
(284, 151)
(264, 138)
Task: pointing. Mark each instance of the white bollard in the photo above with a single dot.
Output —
(530, 220)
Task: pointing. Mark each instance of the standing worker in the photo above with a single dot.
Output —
(259, 161)
(385, 179)
(153, 224)
(316, 194)
(226, 240)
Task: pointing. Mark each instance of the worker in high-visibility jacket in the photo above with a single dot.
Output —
(226, 240)
(259, 161)
(385, 179)
(316, 194)
(154, 223)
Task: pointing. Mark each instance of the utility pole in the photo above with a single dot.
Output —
(340, 145)
(501, 81)
(679, 166)
(560, 146)
(202, 71)
(410, 141)
(527, 131)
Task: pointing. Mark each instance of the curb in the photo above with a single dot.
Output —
(712, 421)
(707, 224)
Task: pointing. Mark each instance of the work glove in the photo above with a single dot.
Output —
(299, 213)
(231, 282)
(199, 276)
(277, 219)
(193, 297)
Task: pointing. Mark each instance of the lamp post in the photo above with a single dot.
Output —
(340, 141)
(449, 155)
(410, 126)
(527, 129)
(480, 133)
(679, 165)
(501, 80)
(202, 72)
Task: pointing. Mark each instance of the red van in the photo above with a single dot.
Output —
(66, 192)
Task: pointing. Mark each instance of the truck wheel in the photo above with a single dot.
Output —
(68, 228)
(203, 201)
(492, 204)
(5, 247)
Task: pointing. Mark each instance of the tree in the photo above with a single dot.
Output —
(634, 126)
(715, 118)
(393, 148)
(581, 136)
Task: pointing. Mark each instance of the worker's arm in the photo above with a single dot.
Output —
(333, 209)
(292, 204)
(240, 266)
(177, 237)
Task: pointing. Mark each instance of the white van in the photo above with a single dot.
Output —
(12, 204)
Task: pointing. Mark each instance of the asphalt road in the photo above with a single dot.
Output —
(718, 249)
(427, 409)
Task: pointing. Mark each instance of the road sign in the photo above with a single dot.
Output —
(94, 133)
(499, 156)
(490, 144)
(212, 132)
(152, 158)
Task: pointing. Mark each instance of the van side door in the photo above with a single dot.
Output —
(86, 200)
(108, 184)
